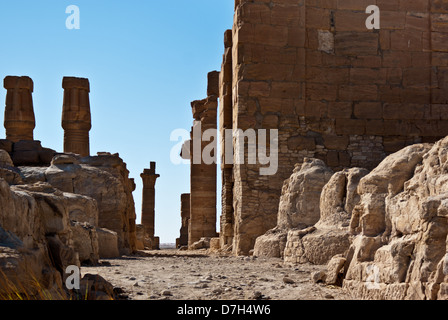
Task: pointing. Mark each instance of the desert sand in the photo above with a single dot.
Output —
(170, 274)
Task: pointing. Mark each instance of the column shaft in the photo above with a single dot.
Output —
(19, 118)
(76, 118)
(149, 178)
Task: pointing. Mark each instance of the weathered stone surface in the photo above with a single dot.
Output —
(19, 267)
(300, 200)
(331, 234)
(5, 159)
(85, 239)
(271, 244)
(95, 287)
(400, 228)
(144, 242)
(35, 223)
(6, 145)
(7, 170)
(215, 244)
(108, 243)
(334, 267)
(203, 243)
(298, 208)
(105, 179)
(28, 153)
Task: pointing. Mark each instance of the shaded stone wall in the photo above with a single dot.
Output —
(334, 89)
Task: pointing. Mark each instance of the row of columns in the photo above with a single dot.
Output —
(19, 122)
(19, 118)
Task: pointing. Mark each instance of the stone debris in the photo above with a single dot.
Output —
(288, 280)
(223, 279)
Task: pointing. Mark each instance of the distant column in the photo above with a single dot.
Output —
(185, 216)
(19, 114)
(76, 119)
(149, 178)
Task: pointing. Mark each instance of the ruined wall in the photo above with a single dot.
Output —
(334, 89)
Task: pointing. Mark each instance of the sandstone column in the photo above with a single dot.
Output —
(76, 119)
(149, 178)
(19, 114)
(203, 176)
(226, 123)
(185, 216)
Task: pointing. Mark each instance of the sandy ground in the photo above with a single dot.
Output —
(186, 275)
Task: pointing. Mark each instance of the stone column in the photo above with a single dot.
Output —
(149, 178)
(76, 119)
(19, 114)
(185, 216)
(203, 176)
(226, 123)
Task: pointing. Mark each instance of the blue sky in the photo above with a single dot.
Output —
(146, 61)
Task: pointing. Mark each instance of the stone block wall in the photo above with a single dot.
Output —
(335, 90)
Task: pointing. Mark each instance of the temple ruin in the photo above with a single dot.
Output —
(334, 89)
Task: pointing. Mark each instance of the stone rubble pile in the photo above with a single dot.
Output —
(383, 233)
